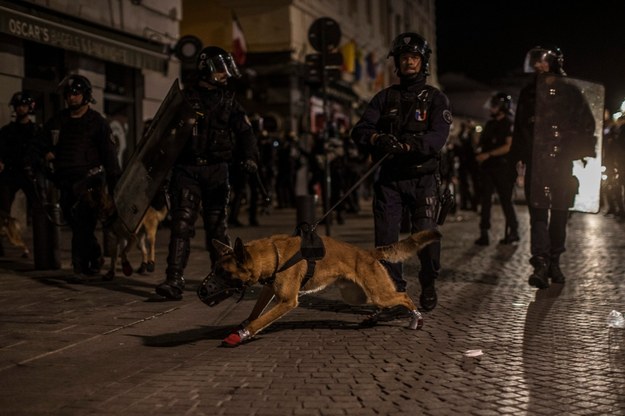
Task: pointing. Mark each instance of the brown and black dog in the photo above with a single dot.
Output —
(359, 274)
(12, 229)
(145, 239)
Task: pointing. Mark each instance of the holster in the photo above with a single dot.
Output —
(447, 202)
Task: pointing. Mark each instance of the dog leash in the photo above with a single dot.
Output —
(352, 189)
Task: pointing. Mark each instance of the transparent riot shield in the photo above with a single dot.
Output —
(153, 158)
(566, 152)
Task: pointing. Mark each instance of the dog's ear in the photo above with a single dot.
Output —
(239, 251)
(222, 249)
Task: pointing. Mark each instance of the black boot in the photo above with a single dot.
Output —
(428, 298)
(483, 240)
(555, 273)
(539, 277)
(511, 237)
(171, 288)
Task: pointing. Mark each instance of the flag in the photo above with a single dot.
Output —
(358, 65)
(349, 56)
(371, 65)
(239, 47)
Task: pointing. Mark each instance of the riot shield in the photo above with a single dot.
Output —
(153, 158)
(566, 152)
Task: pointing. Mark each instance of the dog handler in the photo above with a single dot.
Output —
(410, 121)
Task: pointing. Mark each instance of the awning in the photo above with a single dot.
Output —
(48, 29)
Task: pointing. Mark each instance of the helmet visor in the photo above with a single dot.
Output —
(537, 55)
(223, 63)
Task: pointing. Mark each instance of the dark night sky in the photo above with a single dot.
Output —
(488, 39)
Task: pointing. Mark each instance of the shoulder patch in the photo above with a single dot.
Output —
(447, 116)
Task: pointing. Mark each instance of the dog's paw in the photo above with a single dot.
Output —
(142, 269)
(126, 268)
(231, 341)
(236, 338)
(416, 321)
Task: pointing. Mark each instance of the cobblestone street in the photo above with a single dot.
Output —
(116, 348)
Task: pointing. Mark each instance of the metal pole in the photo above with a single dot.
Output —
(325, 136)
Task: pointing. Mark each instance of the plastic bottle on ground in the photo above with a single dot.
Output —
(616, 320)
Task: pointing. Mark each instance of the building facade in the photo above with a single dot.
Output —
(122, 46)
(277, 38)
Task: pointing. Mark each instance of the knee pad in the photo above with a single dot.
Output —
(182, 225)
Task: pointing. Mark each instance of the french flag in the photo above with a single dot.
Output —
(239, 47)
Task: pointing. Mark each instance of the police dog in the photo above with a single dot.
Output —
(12, 229)
(144, 238)
(359, 274)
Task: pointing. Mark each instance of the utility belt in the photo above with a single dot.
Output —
(83, 182)
(201, 161)
(397, 170)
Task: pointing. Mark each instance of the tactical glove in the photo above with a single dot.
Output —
(388, 143)
(250, 166)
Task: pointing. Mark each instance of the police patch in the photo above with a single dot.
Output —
(447, 116)
(420, 116)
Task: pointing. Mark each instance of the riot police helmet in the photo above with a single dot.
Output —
(502, 102)
(215, 66)
(75, 84)
(22, 98)
(552, 55)
(410, 42)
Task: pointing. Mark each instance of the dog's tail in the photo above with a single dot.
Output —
(407, 247)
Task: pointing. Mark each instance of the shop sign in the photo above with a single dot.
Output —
(75, 39)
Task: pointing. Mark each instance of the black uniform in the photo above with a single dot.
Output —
(222, 135)
(418, 115)
(573, 139)
(85, 161)
(496, 174)
(468, 181)
(21, 153)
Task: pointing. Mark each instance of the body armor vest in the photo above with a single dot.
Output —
(211, 140)
(406, 115)
(76, 149)
(412, 109)
(19, 148)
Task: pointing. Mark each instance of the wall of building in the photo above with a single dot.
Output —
(149, 22)
(281, 27)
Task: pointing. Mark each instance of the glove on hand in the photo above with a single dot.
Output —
(388, 143)
(250, 166)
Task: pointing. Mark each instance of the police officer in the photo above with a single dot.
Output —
(21, 154)
(223, 135)
(574, 132)
(84, 157)
(409, 121)
(495, 142)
